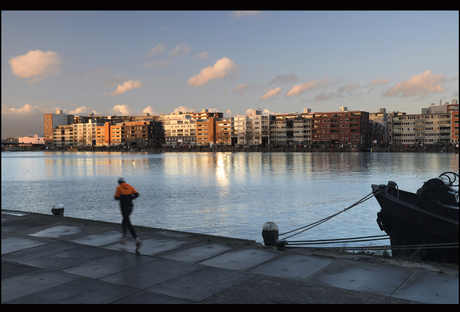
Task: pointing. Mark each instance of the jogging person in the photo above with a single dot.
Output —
(125, 193)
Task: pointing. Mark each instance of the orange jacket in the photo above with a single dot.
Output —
(125, 193)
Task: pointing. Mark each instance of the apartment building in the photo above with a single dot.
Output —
(85, 134)
(63, 136)
(302, 129)
(204, 114)
(224, 131)
(437, 125)
(282, 129)
(206, 131)
(179, 129)
(342, 127)
(454, 125)
(137, 134)
(51, 121)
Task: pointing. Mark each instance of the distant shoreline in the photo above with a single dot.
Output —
(230, 149)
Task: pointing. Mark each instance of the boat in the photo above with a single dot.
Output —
(424, 224)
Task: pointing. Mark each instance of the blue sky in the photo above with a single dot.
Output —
(130, 62)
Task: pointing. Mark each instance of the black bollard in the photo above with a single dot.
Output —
(270, 233)
(58, 210)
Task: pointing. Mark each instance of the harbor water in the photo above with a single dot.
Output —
(225, 194)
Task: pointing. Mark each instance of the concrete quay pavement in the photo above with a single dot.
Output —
(49, 259)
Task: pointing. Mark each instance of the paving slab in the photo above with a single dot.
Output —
(41, 255)
(79, 291)
(98, 268)
(10, 244)
(429, 287)
(99, 239)
(150, 246)
(241, 259)
(62, 259)
(199, 285)
(57, 231)
(364, 277)
(152, 273)
(293, 266)
(11, 269)
(197, 253)
(261, 289)
(146, 297)
(31, 283)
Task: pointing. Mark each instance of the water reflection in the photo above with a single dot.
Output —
(221, 174)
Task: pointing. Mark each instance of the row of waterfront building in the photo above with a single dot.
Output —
(436, 125)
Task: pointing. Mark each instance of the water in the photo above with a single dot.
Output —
(227, 194)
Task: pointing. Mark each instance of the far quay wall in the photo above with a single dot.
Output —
(229, 149)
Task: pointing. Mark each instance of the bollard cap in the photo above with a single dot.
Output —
(270, 226)
(58, 206)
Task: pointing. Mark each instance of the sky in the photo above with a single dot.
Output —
(136, 62)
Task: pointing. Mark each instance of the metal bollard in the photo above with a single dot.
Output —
(58, 210)
(270, 233)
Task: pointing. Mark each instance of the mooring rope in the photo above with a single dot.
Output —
(314, 224)
(362, 238)
(370, 238)
(388, 247)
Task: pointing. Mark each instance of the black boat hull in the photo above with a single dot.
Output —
(426, 230)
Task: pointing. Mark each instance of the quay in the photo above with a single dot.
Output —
(263, 149)
(51, 259)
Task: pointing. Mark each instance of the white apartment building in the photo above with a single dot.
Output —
(252, 129)
(422, 129)
(179, 129)
(85, 133)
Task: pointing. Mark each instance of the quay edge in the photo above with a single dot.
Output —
(246, 243)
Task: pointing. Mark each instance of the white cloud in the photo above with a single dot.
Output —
(158, 49)
(202, 55)
(150, 111)
(349, 88)
(323, 97)
(241, 89)
(377, 82)
(36, 65)
(301, 88)
(79, 110)
(183, 110)
(270, 93)
(179, 50)
(126, 86)
(122, 110)
(24, 121)
(219, 70)
(420, 85)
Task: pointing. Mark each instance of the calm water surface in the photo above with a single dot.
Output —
(228, 194)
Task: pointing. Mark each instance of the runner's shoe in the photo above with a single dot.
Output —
(138, 244)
